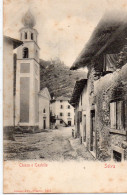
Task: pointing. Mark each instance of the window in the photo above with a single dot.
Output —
(80, 116)
(61, 106)
(61, 114)
(61, 100)
(68, 106)
(61, 121)
(117, 156)
(25, 52)
(117, 114)
(25, 35)
(44, 111)
(110, 62)
(32, 36)
(81, 99)
(69, 114)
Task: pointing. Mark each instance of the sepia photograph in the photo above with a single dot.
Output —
(64, 96)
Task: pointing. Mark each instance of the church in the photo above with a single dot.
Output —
(30, 109)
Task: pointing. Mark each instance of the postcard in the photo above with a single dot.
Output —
(64, 96)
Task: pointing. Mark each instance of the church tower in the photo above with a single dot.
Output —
(28, 75)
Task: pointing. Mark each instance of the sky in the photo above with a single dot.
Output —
(64, 26)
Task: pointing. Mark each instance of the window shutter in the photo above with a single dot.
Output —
(125, 111)
(120, 115)
(123, 115)
(80, 116)
(113, 114)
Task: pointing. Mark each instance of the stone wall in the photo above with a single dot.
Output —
(110, 87)
(89, 104)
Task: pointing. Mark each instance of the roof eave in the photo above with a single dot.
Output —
(16, 42)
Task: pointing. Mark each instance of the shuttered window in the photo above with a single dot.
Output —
(117, 115)
(80, 116)
(120, 115)
(113, 114)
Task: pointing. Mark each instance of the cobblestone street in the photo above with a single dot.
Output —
(56, 144)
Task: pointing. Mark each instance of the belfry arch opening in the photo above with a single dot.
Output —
(25, 35)
(25, 52)
(32, 36)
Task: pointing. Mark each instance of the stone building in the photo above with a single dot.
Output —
(8, 81)
(78, 102)
(84, 115)
(63, 111)
(105, 56)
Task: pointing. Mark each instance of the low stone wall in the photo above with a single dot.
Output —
(26, 129)
(8, 133)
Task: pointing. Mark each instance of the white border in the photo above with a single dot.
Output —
(1, 96)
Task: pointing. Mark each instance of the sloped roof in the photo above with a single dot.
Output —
(16, 42)
(109, 36)
(45, 93)
(79, 86)
(63, 98)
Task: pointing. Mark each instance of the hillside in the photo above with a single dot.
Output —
(58, 78)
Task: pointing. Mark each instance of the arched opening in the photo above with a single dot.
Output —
(32, 36)
(44, 111)
(25, 35)
(25, 52)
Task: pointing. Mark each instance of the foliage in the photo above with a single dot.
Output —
(58, 77)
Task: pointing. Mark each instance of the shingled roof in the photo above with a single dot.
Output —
(108, 37)
(79, 85)
(16, 43)
(63, 98)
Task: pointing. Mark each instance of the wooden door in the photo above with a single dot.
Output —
(69, 123)
(92, 143)
(84, 128)
(78, 124)
(44, 124)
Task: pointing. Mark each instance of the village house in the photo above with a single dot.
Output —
(79, 104)
(62, 111)
(25, 105)
(105, 94)
(84, 115)
(9, 82)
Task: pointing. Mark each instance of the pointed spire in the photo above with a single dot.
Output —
(28, 19)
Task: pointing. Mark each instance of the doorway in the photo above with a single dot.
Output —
(92, 140)
(44, 123)
(84, 128)
(69, 123)
(79, 120)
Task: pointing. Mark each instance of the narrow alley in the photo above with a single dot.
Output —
(56, 144)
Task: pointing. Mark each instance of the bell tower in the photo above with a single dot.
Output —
(28, 75)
